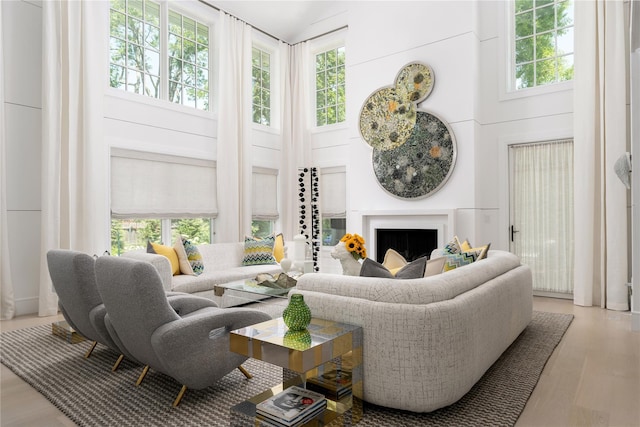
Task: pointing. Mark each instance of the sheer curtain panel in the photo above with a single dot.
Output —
(600, 136)
(234, 119)
(7, 303)
(75, 186)
(295, 124)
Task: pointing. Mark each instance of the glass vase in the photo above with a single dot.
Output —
(297, 314)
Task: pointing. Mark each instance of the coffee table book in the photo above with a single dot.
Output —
(292, 406)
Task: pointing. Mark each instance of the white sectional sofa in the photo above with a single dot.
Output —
(222, 264)
(428, 341)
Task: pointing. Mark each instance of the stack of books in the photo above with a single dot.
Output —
(291, 407)
(334, 384)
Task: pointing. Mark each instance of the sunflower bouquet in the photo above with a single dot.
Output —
(355, 245)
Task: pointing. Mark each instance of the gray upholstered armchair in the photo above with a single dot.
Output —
(73, 277)
(192, 349)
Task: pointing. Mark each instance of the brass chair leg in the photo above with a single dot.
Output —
(88, 353)
(142, 375)
(179, 398)
(245, 372)
(115, 365)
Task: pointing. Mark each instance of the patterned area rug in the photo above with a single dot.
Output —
(91, 395)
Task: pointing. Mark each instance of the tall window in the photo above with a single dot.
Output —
(261, 80)
(137, 35)
(188, 61)
(135, 46)
(543, 42)
(330, 87)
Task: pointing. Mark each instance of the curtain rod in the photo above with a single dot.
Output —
(271, 35)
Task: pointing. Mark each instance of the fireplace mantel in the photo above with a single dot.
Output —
(442, 220)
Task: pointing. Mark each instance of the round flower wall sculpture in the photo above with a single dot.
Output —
(387, 119)
(420, 166)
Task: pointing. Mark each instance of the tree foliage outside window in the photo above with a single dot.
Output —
(330, 87)
(130, 234)
(197, 230)
(261, 83)
(135, 53)
(543, 42)
(332, 230)
(188, 61)
(134, 45)
(261, 228)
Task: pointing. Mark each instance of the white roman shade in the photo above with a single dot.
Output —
(150, 185)
(333, 193)
(265, 194)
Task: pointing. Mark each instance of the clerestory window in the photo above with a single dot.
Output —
(159, 52)
(543, 48)
(330, 87)
(261, 86)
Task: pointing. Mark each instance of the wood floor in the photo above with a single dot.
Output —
(592, 378)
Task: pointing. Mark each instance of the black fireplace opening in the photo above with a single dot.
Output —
(410, 243)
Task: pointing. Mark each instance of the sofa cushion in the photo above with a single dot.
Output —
(185, 267)
(435, 266)
(411, 270)
(258, 251)
(167, 251)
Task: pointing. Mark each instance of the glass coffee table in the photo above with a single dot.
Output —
(245, 291)
(310, 359)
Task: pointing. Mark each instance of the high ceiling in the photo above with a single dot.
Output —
(291, 21)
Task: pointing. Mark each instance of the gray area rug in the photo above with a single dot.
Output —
(91, 395)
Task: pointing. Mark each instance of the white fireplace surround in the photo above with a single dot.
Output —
(441, 220)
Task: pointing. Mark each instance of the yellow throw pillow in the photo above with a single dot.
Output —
(167, 251)
(278, 247)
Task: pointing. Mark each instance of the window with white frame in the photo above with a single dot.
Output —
(157, 197)
(543, 42)
(261, 86)
(330, 87)
(138, 31)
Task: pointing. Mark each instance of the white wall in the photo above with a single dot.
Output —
(22, 32)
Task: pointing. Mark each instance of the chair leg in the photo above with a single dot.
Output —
(142, 374)
(88, 353)
(245, 372)
(115, 365)
(180, 395)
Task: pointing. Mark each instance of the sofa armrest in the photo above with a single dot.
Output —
(160, 262)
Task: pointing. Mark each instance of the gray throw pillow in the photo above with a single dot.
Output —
(413, 270)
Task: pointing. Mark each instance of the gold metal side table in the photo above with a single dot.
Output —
(325, 346)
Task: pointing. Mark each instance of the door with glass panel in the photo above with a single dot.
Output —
(541, 213)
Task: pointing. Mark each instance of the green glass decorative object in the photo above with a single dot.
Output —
(297, 315)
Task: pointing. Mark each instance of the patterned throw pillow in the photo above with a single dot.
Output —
(258, 251)
(194, 256)
(167, 251)
(453, 247)
(464, 258)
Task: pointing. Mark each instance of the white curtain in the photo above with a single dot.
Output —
(543, 213)
(600, 137)
(7, 304)
(295, 125)
(234, 119)
(75, 196)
